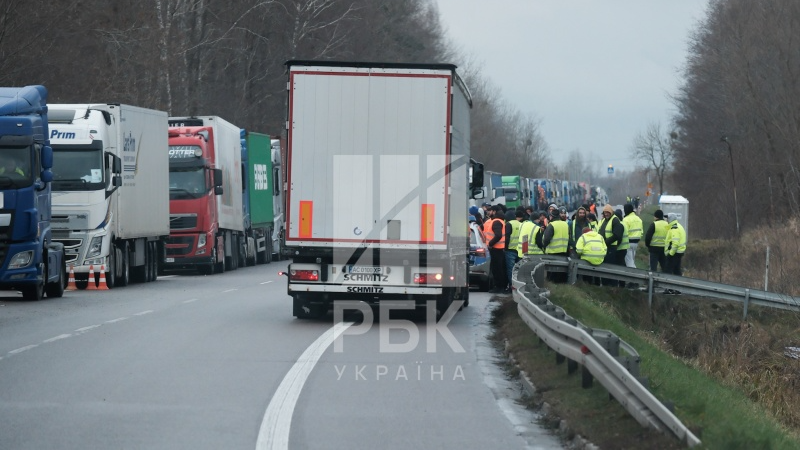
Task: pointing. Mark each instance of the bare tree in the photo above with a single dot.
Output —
(654, 149)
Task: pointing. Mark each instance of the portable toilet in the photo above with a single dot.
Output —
(676, 204)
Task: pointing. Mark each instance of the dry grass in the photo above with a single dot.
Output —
(744, 263)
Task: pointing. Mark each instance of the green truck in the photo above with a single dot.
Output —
(263, 199)
(516, 192)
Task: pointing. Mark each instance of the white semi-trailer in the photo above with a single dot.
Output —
(110, 188)
(377, 188)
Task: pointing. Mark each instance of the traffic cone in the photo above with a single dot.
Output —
(91, 286)
(103, 286)
(71, 286)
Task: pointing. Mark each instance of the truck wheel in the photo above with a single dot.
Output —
(56, 288)
(111, 273)
(265, 257)
(444, 301)
(219, 266)
(35, 292)
(124, 266)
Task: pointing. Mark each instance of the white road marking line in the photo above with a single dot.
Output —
(22, 349)
(274, 431)
(53, 339)
(190, 300)
(85, 329)
(116, 320)
(229, 290)
(143, 312)
(266, 282)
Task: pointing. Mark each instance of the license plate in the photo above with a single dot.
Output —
(169, 259)
(370, 270)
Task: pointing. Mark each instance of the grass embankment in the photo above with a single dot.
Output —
(730, 379)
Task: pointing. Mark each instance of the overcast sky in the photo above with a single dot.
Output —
(595, 72)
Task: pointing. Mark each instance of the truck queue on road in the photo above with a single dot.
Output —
(125, 193)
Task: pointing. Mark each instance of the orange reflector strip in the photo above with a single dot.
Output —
(306, 218)
(426, 222)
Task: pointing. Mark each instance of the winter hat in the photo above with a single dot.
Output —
(618, 213)
(659, 214)
(511, 215)
(628, 208)
(587, 229)
(473, 210)
(608, 208)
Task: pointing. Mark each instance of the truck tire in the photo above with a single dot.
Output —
(219, 266)
(36, 291)
(265, 257)
(124, 265)
(139, 273)
(113, 262)
(56, 288)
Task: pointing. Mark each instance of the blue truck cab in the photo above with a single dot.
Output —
(29, 259)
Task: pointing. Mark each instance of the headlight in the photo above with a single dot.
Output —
(21, 259)
(201, 241)
(95, 246)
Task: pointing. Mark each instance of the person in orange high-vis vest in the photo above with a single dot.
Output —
(495, 234)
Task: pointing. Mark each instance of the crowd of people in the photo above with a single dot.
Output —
(612, 239)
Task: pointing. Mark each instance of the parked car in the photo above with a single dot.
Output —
(479, 259)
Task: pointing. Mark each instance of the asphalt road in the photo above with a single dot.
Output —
(219, 362)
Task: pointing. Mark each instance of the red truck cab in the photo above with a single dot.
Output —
(194, 183)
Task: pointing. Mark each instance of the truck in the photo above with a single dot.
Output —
(206, 218)
(110, 190)
(378, 187)
(516, 191)
(31, 260)
(263, 198)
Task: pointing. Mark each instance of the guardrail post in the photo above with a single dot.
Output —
(650, 290)
(746, 302)
(573, 271)
(586, 378)
(572, 366)
(560, 358)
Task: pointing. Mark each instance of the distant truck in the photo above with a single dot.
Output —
(32, 261)
(110, 199)
(263, 198)
(377, 209)
(206, 217)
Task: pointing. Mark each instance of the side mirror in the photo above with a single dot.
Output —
(47, 160)
(218, 178)
(117, 165)
(217, 190)
(476, 173)
(477, 193)
(116, 181)
(46, 176)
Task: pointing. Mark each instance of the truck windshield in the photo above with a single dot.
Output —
(77, 168)
(187, 183)
(512, 194)
(15, 167)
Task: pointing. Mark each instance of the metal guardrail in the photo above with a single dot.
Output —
(596, 350)
(685, 285)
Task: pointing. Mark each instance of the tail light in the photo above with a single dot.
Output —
(304, 275)
(428, 278)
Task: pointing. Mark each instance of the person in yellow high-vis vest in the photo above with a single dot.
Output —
(675, 245)
(635, 233)
(530, 239)
(655, 239)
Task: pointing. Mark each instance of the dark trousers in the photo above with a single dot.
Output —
(674, 264)
(657, 258)
(611, 258)
(498, 267)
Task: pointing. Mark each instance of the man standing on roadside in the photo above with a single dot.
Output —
(655, 239)
(675, 245)
(495, 235)
(635, 231)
